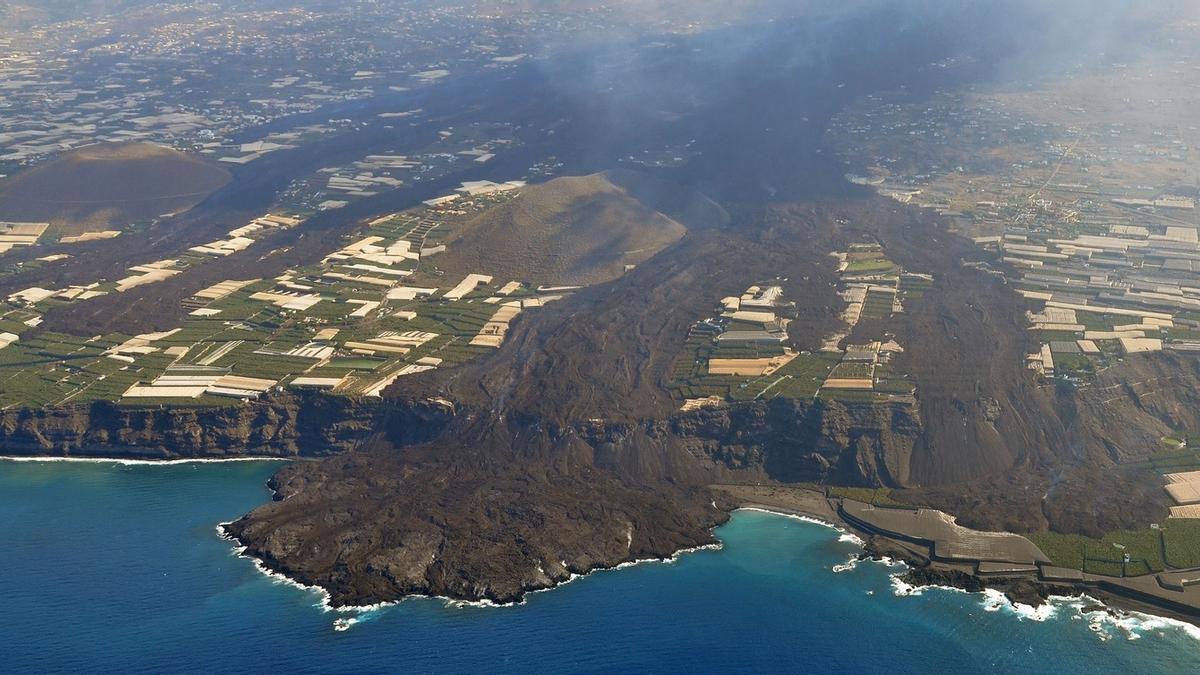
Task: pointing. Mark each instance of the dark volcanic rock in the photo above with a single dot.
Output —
(1026, 592)
(305, 424)
(381, 523)
(933, 576)
(880, 548)
(283, 424)
(565, 452)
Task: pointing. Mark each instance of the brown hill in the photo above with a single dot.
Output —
(108, 186)
(573, 231)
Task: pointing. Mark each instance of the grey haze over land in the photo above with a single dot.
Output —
(546, 286)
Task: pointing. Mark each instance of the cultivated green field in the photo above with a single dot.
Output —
(256, 337)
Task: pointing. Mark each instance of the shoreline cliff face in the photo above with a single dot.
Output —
(778, 439)
(512, 504)
(566, 453)
(576, 498)
(303, 424)
(284, 425)
(563, 451)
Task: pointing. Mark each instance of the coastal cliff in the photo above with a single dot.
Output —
(281, 425)
(519, 503)
(779, 439)
(785, 440)
(303, 424)
(563, 451)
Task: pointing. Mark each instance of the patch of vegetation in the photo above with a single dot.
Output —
(804, 376)
(876, 496)
(1075, 365)
(1056, 336)
(870, 266)
(850, 395)
(355, 363)
(913, 287)
(1181, 539)
(1100, 322)
(1106, 555)
(204, 401)
(877, 305)
(850, 370)
(897, 386)
(1172, 459)
(744, 351)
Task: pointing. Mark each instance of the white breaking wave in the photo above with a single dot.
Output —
(847, 566)
(284, 579)
(144, 462)
(1105, 623)
(844, 535)
(572, 576)
(1131, 625)
(1128, 624)
(902, 588)
(851, 538)
(995, 601)
(345, 623)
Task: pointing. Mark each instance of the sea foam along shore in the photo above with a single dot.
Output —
(1106, 622)
(143, 462)
(1099, 615)
(1131, 624)
(844, 534)
(1128, 622)
(345, 623)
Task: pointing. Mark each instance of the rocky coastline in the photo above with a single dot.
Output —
(284, 424)
(666, 467)
(734, 444)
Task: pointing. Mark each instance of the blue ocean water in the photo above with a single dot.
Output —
(107, 567)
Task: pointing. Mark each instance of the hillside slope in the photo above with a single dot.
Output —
(564, 452)
(570, 231)
(108, 186)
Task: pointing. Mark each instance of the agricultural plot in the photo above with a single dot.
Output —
(333, 322)
(913, 286)
(868, 259)
(878, 305)
(871, 266)
(52, 369)
(803, 377)
(1182, 543)
(850, 396)
(852, 371)
(1075, 365)
(1107, 555)
(732, 356)
(736, 356)
(1176, 459)
(890, 382)
(881, 497)
(1174, 545)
